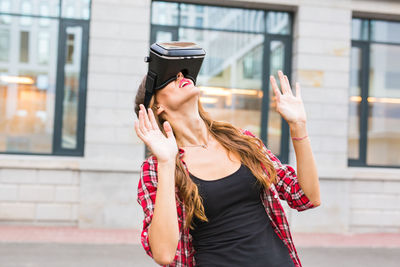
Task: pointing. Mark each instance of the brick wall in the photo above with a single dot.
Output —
(39, 196)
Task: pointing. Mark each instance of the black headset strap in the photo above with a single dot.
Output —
(150, 84)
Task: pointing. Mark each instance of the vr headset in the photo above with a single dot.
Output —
(166, 60)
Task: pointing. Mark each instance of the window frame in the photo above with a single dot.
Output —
(364, 46)
(287, 39)
(57, 149)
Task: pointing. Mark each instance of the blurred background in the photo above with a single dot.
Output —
(70, 69)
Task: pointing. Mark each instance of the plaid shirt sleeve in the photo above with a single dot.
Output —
(287, 184)
(146, 196)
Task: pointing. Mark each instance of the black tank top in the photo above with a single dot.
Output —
(239, 232)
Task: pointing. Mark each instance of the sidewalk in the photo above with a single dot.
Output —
(69, 246)
(40, 234)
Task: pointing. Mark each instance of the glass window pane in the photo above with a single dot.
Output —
(27, 95)
(72, 70)
(212, 17)
(77, 9)
(5, 6)
(30, 7)
(164, 13)
(359, 29)
(278, 22)
(26, 9)
(385, 31)
(5, 19)
(384, 105)
(228, 91)
(164, 36)
(44, 10)
(354, 104)
(24, 47)
(43, 49)
(277, 62)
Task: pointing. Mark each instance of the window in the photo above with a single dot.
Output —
(374, 106)
(24, 47)
(242, 46)
(43, 69)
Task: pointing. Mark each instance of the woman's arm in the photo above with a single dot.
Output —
(292, 109)
(307, 174)
(156, 190)
(164, 228)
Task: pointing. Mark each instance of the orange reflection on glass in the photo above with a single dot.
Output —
(17, 79)
(376, 99)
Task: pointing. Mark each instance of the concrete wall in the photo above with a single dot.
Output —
(99, 190)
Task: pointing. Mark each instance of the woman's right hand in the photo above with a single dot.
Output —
(164, 148)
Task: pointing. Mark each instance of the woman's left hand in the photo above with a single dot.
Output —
(289, 106)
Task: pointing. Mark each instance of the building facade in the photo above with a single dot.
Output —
(69, 72)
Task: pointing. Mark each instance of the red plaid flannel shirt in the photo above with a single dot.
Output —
(287, 188)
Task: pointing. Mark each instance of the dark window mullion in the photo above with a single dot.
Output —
(59, 89)
(285, 137)
(364, 109)
(266, 68)
(82, 90)
(364, 103)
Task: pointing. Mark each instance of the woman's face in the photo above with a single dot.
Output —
(177, 94)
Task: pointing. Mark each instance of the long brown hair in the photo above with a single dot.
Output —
(231, 138)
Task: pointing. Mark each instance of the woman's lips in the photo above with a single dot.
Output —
(183, 82)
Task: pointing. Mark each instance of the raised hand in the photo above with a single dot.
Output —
(164, 148)
(289, 106)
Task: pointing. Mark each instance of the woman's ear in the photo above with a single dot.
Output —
(160, 109)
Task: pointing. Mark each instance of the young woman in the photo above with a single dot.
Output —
(210, 191)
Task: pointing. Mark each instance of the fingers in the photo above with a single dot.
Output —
(139, 132)
(283, 82)
(142, 127)
(168, 129)
(146, 118)
(275, 87)
(153, 120)
(288, 85)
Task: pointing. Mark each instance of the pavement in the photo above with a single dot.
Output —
(28, 246)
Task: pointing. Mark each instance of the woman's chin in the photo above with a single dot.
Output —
(190, 87)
